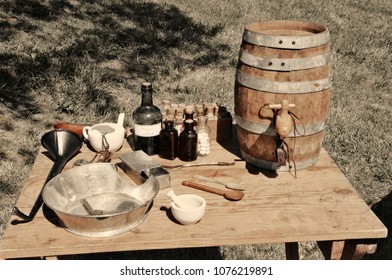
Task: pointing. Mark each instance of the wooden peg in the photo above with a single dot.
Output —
(279, 106)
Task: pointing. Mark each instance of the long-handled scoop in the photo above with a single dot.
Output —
(62, 145)
(228, 194)
(229, 185)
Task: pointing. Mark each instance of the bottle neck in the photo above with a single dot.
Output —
(146, 94)
(169, 124)
(188, 115)
(146, 97)
(188, 125)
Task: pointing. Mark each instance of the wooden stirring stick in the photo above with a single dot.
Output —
(228, 194)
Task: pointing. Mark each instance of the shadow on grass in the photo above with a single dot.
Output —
(383, 211)
(16, 74)
(151, 40)
(36, 9)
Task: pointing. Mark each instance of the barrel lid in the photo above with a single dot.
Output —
(286, 34)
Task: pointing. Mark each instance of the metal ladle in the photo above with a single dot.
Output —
(62, 145)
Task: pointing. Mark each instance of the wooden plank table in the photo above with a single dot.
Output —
(319, 205)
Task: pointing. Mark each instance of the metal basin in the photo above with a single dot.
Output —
(121, 206)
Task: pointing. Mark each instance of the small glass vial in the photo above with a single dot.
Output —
(165, 107)
(203, 137)
(179, 124)
(168, 139)
(199, 110)
(187, 150)
(210, 111)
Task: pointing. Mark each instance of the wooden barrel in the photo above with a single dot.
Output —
(282, 60)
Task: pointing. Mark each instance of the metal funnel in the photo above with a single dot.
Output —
(62, 145)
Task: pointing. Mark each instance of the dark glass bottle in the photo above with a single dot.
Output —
(187, 150)
(224, 126)
(168, 140)
(147, 120)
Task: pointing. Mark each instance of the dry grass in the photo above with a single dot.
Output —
(83, 61)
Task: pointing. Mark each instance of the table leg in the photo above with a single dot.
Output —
(292, 252)
(51, 258)
(347, 250)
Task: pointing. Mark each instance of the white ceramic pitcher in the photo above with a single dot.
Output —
(107, 135)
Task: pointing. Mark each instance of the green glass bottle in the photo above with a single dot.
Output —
(147, 121)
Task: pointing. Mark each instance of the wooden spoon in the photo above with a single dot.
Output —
(228, 194)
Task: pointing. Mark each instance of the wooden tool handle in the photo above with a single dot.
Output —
(76, 128)
(203, 187)
(208, 179)
(279, 106)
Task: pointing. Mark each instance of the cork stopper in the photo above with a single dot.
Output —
(199, 110)
(189, 109)
(165, 103)
(146, 86)
(170, 117)
(170, 111)
(180, 110)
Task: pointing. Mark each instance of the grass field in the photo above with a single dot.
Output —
(83, 62)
